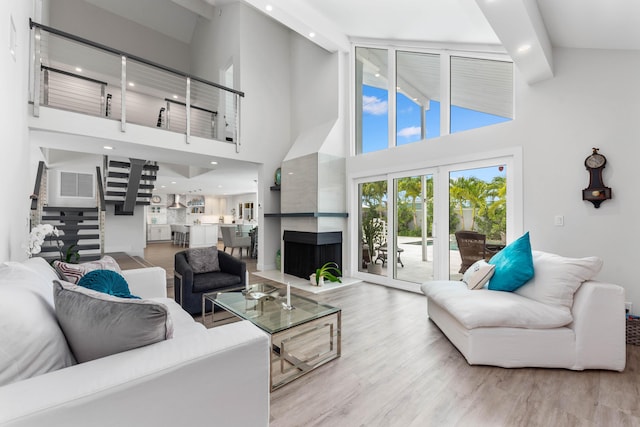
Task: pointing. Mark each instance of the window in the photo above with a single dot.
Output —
(417, 96)
(481, 93)
(477, 92)
(74, 184)
(372, 100)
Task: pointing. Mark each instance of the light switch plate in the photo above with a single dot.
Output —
(558, 220)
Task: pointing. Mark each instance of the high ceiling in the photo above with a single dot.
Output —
(600, 24)
(501, 25)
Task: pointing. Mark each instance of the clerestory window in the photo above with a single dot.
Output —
(435, 94)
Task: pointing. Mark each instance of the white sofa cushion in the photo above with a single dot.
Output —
(73, 272)
(478, 274)
(98, 325)
(486, 308)
(557, 278)
(32, 341)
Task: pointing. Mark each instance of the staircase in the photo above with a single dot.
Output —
(129, 184)
(81, 228)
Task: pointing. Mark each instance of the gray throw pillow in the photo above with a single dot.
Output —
(203, 260)
(96, 324)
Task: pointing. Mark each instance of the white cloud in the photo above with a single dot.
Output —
(410, 131)
(374, 105)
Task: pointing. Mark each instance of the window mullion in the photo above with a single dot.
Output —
(445, 94)
(391, 72)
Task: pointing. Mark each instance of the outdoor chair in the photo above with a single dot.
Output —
(472, 247)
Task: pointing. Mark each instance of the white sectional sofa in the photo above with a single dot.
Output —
(559, 319)
(199, 377)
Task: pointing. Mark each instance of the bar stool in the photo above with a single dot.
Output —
(182, 235)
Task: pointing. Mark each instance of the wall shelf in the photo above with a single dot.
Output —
(307, 215)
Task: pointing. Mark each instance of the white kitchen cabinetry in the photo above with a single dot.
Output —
(203, 235)
(156, 232)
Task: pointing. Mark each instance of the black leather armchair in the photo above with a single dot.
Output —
(189, 287)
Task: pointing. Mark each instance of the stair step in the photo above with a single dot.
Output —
(50, 257)
(127, 165)
(70, 208)
(74, 227)
(65, 218)
(124, 193)
(126, 184)
(121, 202)
(124, 175)
(79, 247)
(72, 237)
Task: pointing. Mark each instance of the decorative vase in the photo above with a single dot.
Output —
(278, 176)
(278, 260)
(312, 280)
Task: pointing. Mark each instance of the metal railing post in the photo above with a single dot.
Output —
(188, 107)
(45, 96)
(36, 71)
(123, 97)
(236, 105)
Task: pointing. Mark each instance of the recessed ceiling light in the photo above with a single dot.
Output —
(269, 8)
(163, 186)
(131, 84)
(377, 74)
(175, 96)
(108, 147)
(312, 34)
(214, 163)
(78, 69)
(524, 48)
(290, 173)
(173, 182)
(219, 185)
(397, 87)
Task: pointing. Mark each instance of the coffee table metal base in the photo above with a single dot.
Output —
(303, 348)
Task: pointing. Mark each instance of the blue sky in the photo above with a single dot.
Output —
(375, 109)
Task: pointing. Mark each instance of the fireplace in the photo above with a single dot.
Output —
(306, 251)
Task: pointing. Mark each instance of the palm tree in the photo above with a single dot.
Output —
(412, 188)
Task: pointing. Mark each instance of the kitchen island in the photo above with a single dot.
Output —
(203, 235)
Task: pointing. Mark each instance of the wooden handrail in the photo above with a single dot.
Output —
(103, 206)
(36, 189)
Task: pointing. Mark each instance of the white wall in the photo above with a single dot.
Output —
(17, 177)
(591, 102)
(88, 21)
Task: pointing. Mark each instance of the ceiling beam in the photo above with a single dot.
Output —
(305, 20)
(521, 29)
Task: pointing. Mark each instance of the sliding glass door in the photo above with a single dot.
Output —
(413, 260)
(478, 215)
(410, 223)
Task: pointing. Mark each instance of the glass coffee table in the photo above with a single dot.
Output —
(302, 338)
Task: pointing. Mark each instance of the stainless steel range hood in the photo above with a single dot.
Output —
(176, 203)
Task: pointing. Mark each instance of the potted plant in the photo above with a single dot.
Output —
(372, 234)
(330, 271)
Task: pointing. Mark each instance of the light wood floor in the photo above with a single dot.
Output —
(398, 369)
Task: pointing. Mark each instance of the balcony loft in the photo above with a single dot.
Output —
(81, 88)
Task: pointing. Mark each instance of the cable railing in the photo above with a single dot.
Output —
(79, 75)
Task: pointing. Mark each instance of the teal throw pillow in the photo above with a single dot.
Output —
(514, 266)
(107, 282)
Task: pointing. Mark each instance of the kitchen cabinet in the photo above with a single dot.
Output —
(203, 235)
(158, 232)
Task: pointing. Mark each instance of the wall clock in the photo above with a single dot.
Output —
(156, 199)
(596, 192)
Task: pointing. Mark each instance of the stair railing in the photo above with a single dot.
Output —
(38, 197)
(147, 82)
(102, 208)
